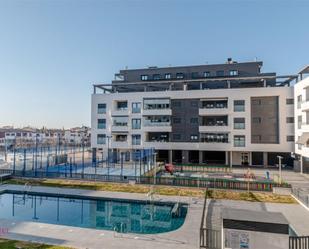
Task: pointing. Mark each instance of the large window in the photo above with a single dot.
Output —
(214, 104)
(239, 123)
(122, 105)
(299, 121)
(136, 123)
(156, 104)
(144, 77)
(299, 100)
(179, 75)
(156, 77)
(136, 139)
(168, 76)
(239, 141)
(290, 120)
(220, 73)
(239, 105)
(120, 121)
(214, 137)
(101, 123)
(157, 120)
(233, 72)
(101, 108)
(206, 74)
(101, 139)
(136, 107)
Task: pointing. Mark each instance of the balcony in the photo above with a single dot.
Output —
(214, 128)
(213, 111)
(305, 105)
(165, 111)
(120, 128)
(305, 127)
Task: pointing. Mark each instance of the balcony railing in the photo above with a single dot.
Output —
(149, 123)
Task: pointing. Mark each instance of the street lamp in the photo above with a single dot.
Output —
(280, 170)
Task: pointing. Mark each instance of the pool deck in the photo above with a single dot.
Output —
(187, 236)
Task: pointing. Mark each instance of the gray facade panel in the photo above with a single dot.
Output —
(265, 120)
(187, 111)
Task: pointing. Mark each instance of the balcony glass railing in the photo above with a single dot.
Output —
(156, 124)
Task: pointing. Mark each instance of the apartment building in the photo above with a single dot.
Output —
(301, 96)
(228, 113)
(27, 137)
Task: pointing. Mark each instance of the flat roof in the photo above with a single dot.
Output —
(254, 216)
(198, 65)
(305, 70)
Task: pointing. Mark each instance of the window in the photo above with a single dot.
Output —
(239, 123)
(122, 105)
(121, 138)
(214, 138)
(239, 105)
(101, 108)
(120, 121)
(176, 104)
(206, 74)
(256, 120)
(156, 104)
(290, 120)
(194, 120)
(220, 73)
(156, 77)
(233, 72)
(176, 120)
(168, 76)
(194, 137)
(176, 136)
(136, 107)
(194, 75)
(136, 139)
(299, 100)
(101, 123)
(101, 139)
(144, 77)
(136, 123)
(290, 138)
(239, 141)
(290, 101)
(179, 75)
(299, 121)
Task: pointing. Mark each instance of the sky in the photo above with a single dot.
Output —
(52, 51)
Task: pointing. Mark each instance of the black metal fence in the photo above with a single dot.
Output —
(216, 183)
(299, 242)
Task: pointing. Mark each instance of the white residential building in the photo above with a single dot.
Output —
(301, 96)
(216, 114)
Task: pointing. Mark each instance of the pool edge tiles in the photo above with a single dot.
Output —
(104, 213)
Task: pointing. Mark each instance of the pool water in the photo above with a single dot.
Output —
(108, 214)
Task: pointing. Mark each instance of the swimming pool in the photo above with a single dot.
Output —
(129, 216)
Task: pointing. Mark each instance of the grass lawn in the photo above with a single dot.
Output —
(13, 244)
(161, 190)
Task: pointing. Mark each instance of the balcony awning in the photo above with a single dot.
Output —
(303, 138)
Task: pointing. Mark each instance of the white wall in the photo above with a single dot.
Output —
(233, 94)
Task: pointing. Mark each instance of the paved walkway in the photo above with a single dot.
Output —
(297, 215)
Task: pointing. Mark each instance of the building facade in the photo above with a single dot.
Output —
(227, 113)
(301, 96)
